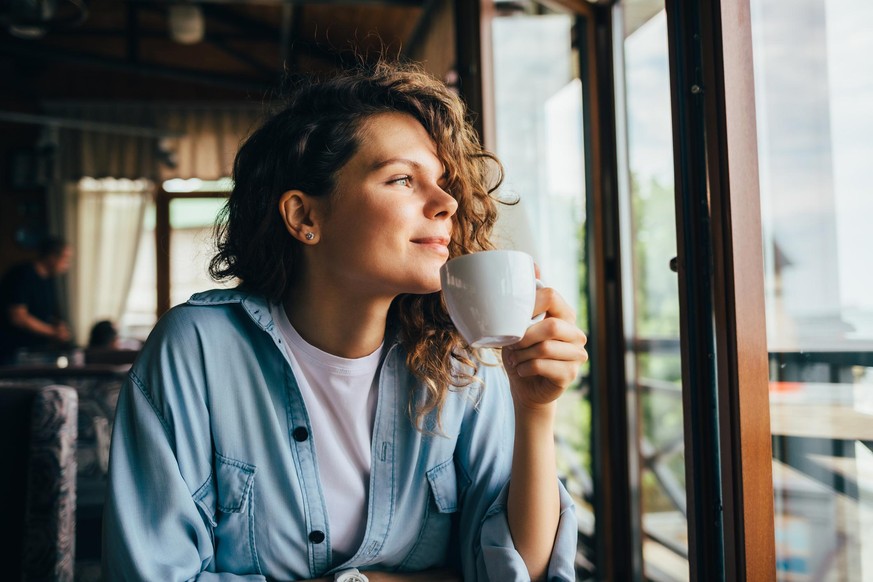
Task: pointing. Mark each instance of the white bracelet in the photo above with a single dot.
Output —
(350, 575)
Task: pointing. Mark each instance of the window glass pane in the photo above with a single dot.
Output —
(814, 87)
(192, 246)
(539, 133)
(651, 302)
(142, 304)
(180, 185)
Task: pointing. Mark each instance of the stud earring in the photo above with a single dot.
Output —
(309, 236)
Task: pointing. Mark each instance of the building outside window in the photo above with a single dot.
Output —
(813, 89)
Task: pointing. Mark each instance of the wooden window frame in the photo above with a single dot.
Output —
(163, 232)
(613, 402)
(721, 281)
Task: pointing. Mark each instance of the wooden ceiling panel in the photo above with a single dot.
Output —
(103, 14)
(269, 15)
(365, 28)
(243, 42)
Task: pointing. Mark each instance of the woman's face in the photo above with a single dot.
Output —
(389, 224)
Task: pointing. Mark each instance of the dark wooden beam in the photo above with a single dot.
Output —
(401, 3)
(132, 34)
(242, 56)
(162, 251)
(240, 21)
(25, 50)
(112, 32)
(614, 421)
(421, 26)
(290, 25)
(273, 34)
(473, 54)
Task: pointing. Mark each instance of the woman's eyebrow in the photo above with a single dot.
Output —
(405, 161)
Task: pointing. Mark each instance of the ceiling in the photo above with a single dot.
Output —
(638, 12)
(124, 47)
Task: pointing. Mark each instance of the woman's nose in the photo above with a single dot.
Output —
(441, 203)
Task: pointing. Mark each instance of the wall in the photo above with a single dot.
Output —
(26, 84)
(20, 207)
(436, 49)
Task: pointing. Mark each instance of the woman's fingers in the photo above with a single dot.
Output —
(551, 328)
(552, 349)
(548, 350)
(555, 361)
(559, 373)
(551, 303)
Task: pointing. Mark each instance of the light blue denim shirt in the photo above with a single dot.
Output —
(214, 476)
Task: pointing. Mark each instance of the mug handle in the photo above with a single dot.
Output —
(539, 316)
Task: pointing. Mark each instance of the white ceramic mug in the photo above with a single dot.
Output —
(490, 296)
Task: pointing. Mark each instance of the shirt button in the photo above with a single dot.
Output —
(300, 434)
(316, 537)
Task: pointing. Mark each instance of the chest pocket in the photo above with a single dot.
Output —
(433, 540)
(234, 481)
(232, 515)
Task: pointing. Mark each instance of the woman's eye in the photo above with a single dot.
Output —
(402, 181)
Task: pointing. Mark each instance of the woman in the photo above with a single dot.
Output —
(324, 420)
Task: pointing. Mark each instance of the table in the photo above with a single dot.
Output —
(51, 371)
(808, 419)
(98, 387)
(821, 410)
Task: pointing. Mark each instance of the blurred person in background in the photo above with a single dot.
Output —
(30, 316)
(104, 336)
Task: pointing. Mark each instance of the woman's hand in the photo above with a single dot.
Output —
(547, 359)
(540, 367)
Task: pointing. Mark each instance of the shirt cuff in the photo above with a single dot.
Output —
(503, 562)
(222, 577)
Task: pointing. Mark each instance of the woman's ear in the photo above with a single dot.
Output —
(299, 211)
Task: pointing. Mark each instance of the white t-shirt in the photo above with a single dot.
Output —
(340, 396)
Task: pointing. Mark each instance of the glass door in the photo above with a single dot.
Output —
(651, 294)
(673, 408)
(815, 122)
(539, 137)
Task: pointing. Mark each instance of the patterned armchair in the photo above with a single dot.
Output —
(38, 431)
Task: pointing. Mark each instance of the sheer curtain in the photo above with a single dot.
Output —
(109, 222)
(209, 136)
(105, 177)
(104, 251)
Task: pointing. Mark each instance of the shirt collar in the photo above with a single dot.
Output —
(256, 306)
(258, 309)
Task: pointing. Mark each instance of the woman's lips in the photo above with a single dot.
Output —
(436, 243)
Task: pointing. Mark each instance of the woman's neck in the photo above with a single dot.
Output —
(337, 322)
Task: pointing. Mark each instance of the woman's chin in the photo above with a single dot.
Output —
(425, 288)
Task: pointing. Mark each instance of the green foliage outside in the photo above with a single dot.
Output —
(656, 292)
(573, 423)
(656, 311)
(656, 297)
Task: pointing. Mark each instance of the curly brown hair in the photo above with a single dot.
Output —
(303, 146)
